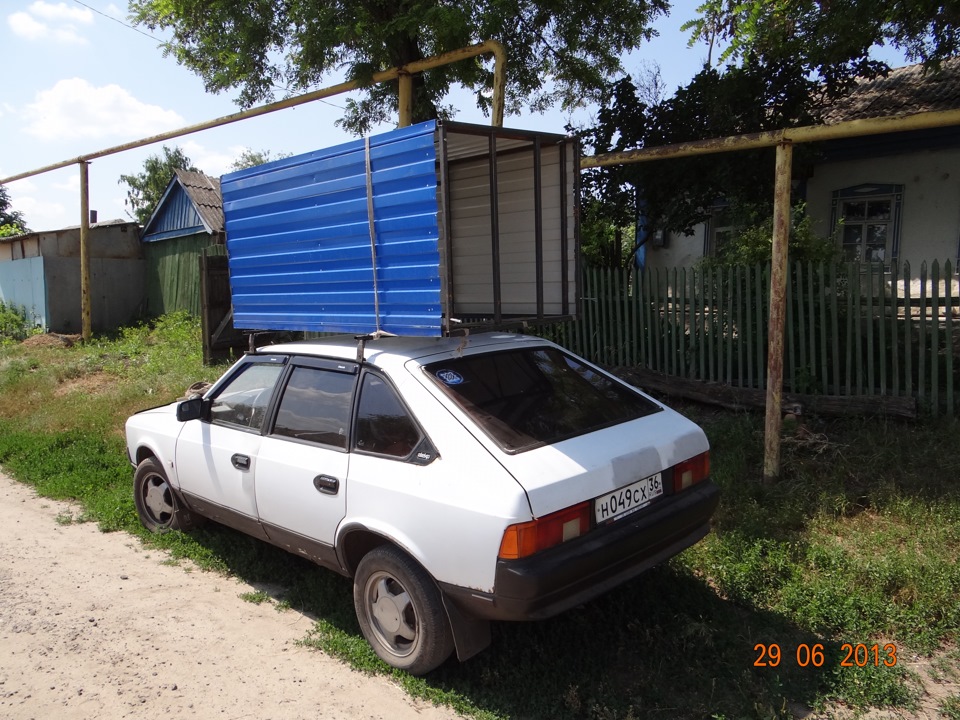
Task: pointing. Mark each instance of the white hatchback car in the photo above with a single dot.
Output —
(456, 480)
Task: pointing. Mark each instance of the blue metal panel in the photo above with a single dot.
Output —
(298, 238)
(23, 284)
(177, 217)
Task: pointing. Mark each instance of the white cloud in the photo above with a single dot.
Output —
(45, 21)
(211, 162)
(45, 214)
(75, 109)
(26, 27)
(71, 184)
(27, 185)
(61, 12)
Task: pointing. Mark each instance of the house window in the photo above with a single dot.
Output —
(868, 218)
(720, 229)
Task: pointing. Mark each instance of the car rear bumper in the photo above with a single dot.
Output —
(563, 577)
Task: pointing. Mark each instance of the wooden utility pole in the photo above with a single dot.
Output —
(85, 304)
(778, 309)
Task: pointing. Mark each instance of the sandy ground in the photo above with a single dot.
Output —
(92, 625)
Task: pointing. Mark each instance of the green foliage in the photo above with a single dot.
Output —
(834, 45)
(603, 243)
(251, 158)
(794, 60)
(752, 245)
(11, 221)
(15, 323)
(679, 192)
(11, 230)
(856, 543)
(559, 52)
(147, 187)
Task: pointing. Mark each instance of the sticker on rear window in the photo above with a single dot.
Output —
(449, 377)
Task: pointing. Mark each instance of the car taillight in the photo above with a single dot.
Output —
(690, 472)
(527, 538)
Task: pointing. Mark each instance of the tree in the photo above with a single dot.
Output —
(831, 40)
(678, 193)
(251, 158)
(790, 59)
(147, 187)
(11, 221)
(560, 51)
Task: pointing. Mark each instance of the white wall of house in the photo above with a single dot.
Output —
(930, 208)
(678, 250)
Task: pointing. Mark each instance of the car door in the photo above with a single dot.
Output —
(216, 456)
(303, 460)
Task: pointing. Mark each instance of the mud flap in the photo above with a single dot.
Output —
(470, 635)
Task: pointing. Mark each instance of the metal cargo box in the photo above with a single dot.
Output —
(419, 231)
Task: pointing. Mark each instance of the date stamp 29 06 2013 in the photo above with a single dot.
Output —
(770, 655)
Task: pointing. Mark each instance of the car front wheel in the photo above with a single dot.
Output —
(157, 505)
(401, 612)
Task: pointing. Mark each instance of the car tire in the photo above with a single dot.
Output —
(157, 504)
(401, 612)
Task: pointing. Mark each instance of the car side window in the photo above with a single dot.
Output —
(384, 426)
(243, 401)
(315, 406)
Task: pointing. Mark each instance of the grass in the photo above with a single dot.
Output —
(856, 544)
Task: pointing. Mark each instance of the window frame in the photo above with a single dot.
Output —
(867, 192)
(423, 445)
(713, 228)
(480, 418)
(280, 361)
(325, 365)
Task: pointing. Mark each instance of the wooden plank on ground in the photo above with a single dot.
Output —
(736, 398)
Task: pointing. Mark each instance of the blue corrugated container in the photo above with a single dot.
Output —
(471, 226)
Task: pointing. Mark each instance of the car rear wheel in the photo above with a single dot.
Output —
(157, 504)
(401, 611)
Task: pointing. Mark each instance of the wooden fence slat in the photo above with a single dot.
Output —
(948, 328)
(922, 335)
(882, 330)
(871, 380)
(702, 335)
(748, 307)
(935, 339)
(907, 330)
(894, 315)
(790, 345)
(759, 349)
(835, 315)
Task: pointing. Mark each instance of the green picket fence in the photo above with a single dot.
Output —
(851, 329)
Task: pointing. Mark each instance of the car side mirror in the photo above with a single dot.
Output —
(191, 409)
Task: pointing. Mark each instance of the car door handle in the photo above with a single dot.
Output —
(240, 462)
(326, 484)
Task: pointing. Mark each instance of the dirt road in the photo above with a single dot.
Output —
(93, 625)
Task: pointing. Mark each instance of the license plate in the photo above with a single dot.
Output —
(626, 500)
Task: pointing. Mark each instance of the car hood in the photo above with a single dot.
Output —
(169, 409)
(581, 468)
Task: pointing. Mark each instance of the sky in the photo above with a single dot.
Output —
(77, 80)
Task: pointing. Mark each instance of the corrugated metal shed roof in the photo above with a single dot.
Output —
(903, 91)
(298, 238)
(190, 204)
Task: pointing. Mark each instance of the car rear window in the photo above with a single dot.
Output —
(535, 396)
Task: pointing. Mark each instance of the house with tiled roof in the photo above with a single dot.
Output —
(187, 221)
(884, 198)
(892, 197)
